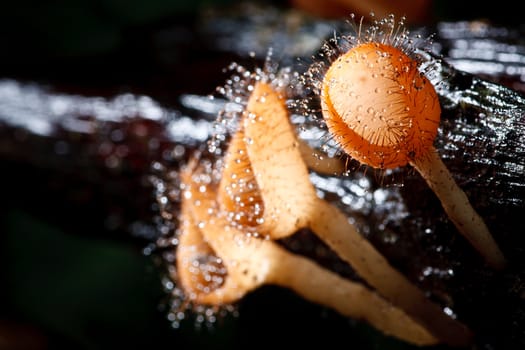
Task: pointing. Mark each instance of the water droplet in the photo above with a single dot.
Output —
(449, 312)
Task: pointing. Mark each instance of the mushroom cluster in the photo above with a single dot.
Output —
(383, 112)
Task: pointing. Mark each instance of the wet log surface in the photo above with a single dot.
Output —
(81, 158)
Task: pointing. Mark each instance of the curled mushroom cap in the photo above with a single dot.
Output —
(238, 192)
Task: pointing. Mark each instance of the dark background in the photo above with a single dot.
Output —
(130, 43)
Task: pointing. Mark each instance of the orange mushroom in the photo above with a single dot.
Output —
(385, 113)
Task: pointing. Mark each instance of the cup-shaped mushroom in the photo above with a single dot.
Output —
(385, 113)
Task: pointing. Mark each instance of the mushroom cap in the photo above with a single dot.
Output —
(379, 107)
(238, 193)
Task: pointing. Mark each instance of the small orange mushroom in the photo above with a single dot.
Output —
(385, 113)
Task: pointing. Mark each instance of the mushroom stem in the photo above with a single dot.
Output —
(330, 224)
(458, 207)
(351, 299)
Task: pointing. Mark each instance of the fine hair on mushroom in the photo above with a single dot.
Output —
(259, 192)
(380, 107)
